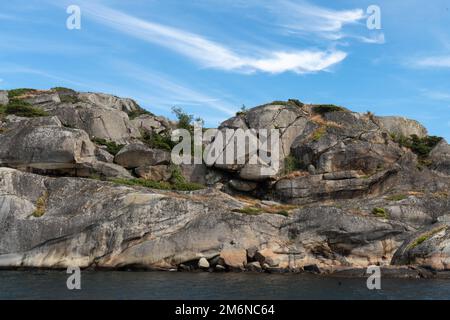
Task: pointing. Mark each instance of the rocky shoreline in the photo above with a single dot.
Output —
(86, 180)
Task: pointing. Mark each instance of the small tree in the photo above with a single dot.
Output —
(184, 119)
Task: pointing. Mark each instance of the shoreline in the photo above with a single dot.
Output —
(400, 272)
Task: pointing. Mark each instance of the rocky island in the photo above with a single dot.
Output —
(86, 179)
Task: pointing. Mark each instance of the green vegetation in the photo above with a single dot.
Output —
(138, 112)
(161, 185)
(425, 237)
(291, 164)
(69, 98)
(243, 111)
(420, 146)
(22, 109)
(380, 213)
(41, 206)
(326, 108)
(19, 92)
(319, 133)
(111, 146)
(397, 197)
(63, 90)
(283, 213)
(290, 102)
(157, 141)
(176, 182)
(184, 120)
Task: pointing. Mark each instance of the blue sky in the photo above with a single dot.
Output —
(210, 57)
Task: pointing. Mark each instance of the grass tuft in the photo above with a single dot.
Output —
(380, 213)
(41, 206)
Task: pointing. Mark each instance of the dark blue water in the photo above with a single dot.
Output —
(165, 285)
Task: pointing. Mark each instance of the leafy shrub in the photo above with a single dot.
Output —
(291, 164)
(184, 120)
(157, 141)
(138, 112)
(19, 92)
(111, 146)
(22, 109)
(326, 108)
(420, 146)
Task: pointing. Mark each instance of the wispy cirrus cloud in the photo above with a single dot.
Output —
(306, 19)
(301, 16)
(432, 62)
(211, 54)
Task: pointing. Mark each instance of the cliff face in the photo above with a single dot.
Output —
(86, 179)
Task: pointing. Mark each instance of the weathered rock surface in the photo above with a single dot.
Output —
(155, 173)
(401, 126)
(42, 143)
(138, 155)
(103, 155)
(150, 123)
(440, 158)
(352, 196)
(109, 101)
(289, 119)
(99, 122)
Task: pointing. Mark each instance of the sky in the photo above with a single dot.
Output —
(211, 57)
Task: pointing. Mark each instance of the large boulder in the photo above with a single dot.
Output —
(100, 122)
(42, 98)
(400, 126)
(318, 187)
(440, 158)
(137, 155)
(342, 141)
(42, 143)
(287, 117)
(235, 258)
(152, 124)
(428, 247)
(109, 101)
(102, 169)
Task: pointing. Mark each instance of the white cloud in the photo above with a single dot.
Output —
(432, 62)
(315, 22)
(303, 16)
(211, 54)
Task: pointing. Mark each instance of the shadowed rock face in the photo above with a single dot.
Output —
(45, 146)
(353, 197)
